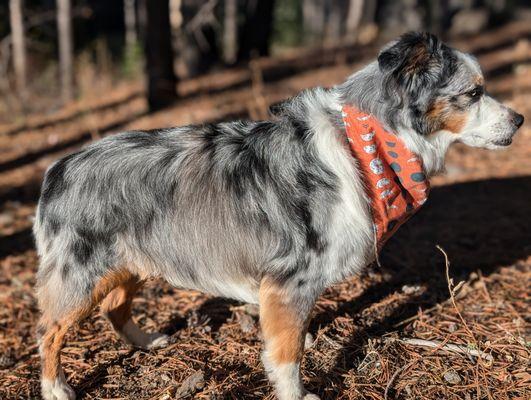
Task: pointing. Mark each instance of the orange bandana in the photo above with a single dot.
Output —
(394, 178)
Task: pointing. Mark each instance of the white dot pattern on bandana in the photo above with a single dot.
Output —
(395, 183)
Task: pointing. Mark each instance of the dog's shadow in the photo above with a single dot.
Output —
(481, 225)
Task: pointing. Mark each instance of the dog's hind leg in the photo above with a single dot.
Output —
(51, 336)
(284, 322)
(117, 308)
(63, 305)
(56, 319)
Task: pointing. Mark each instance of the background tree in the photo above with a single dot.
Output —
(197, 39)
(313, 14)
(230, 31)
(19, 44)
(255, 34)
(130, 24)
(335, 20)
(354, 16)
(64, 29)
(161, 76)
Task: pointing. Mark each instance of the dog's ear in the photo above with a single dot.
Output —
(416, 60)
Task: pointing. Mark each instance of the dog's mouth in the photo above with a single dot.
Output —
(503, 142)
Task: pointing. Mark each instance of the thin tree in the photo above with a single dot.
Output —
(141, 20)
(437, 13)
(130, 24)
(19, 45)
(230, 31)
(64, 28)
(369, 11)
(355, 12)
(336, 18)
(161, 77)
(313, 19)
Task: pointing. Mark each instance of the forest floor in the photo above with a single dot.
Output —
(400, 331)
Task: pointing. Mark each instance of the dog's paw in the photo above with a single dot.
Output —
(311, 396)
(308, 341)
(157, 341)
(135, 336)
(57, 390)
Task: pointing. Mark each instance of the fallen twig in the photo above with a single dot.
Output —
(451, 347)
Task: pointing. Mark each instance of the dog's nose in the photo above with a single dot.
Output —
(517, 119)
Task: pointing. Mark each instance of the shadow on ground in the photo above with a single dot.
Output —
(481, 225)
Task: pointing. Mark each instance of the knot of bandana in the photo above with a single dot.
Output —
(394, 178)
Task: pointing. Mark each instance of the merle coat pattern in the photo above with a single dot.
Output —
(270, 212)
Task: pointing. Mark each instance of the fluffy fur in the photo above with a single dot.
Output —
(269, 212)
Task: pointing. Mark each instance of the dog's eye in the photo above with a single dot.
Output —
(475, 93)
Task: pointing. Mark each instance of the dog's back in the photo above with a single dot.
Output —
(231, 201)
(214, 207)
(244, 210)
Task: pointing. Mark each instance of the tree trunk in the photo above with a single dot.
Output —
(335, 23)
(313, 16)
(369, 12)
(395, 17)
(230, 31)
(19, 45)
(130, 24)
(256, 32)
(142, 20)
(64, 28)
(355, 12)
(197, 41)
(159, 55)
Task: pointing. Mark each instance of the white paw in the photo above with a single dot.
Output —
(137, 337)
(311, 396)
(308, 341)
(157, 341)
(57, 390)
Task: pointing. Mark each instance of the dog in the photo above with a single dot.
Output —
(267, 212)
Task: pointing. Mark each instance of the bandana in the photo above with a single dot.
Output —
(395, 182)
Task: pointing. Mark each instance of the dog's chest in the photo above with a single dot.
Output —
(349, 226)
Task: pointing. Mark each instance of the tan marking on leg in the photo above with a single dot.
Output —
(110, 281)
(117, 308)
(53, 332)
(50, 350)
(282, 326)
(117, 305)
(53, 338)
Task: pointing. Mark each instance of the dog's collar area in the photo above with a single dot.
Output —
(394, 179)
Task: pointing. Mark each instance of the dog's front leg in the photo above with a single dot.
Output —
(284, 319)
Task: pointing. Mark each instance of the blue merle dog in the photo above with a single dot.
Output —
(269, 212)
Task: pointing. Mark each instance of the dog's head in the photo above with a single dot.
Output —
(442, 89)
